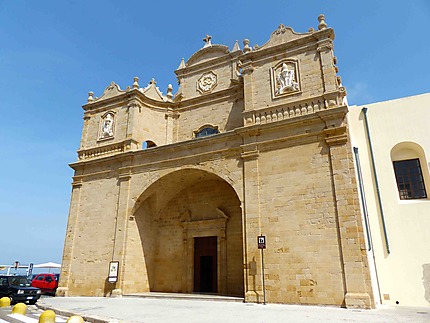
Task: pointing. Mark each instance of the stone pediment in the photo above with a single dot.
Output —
(282, 35)
(112, 90)
(207, 54)
(153, 92)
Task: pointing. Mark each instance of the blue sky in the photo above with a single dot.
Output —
(54, 52)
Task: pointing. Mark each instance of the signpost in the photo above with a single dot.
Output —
(30, 269)
(262, 245)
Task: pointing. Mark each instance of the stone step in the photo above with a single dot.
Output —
(200, 297)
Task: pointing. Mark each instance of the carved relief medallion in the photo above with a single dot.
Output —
(106, 126)
(285, 78)
(207, 82)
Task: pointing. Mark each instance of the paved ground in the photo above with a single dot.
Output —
(138, 309)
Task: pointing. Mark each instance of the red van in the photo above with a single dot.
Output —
(47, 283)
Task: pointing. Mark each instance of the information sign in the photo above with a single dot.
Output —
(113, 271)
(262, 242)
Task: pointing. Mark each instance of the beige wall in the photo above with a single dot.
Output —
(299, 220)
(403, 274)
(281, 166)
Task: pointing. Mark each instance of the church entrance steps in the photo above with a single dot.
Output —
(199, 297)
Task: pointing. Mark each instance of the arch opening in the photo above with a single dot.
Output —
(188, 236)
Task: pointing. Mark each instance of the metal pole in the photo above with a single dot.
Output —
(363, 199)
(264, 287)
(378, 193)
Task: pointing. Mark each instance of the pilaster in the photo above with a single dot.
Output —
(171, 117)
(358, 291)
(248, 83)
(133, 108)
(121, 224)
(252, 222)
(328, 71)
(66, 267)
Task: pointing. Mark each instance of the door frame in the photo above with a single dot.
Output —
(205, 247)
(199, 229)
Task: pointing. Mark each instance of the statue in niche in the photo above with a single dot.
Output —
(285, 80)
(107, 127)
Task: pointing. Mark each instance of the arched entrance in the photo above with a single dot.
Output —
(189, 224)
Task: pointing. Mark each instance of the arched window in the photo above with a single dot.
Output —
(206, 130)
(407, 158)
(148, 144)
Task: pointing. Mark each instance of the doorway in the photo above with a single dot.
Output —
(205, 265)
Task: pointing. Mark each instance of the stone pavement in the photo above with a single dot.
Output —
(167, 309)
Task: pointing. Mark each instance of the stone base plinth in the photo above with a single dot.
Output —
(358, 300)
(62, 292)
(116, 293)
(254, 297)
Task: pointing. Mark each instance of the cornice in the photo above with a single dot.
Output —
(123, 99)
(308, 41)
(233, 92)
(209, 64)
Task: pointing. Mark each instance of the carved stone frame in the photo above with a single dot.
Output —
(273, 71)
(204, 228)
(207, 125)
(101, 122)
(198, 85)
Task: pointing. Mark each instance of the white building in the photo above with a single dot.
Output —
(392, 146)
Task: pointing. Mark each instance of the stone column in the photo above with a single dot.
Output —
(121, 224)
(358, 291)
(63, 288)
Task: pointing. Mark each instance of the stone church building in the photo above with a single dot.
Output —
(175, 189)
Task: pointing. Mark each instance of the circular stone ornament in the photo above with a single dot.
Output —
(207, 82)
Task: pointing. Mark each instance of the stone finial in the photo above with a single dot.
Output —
(90, 96)
(182, 64)
(136, 84)
(152, 82)
(322, 24)
(246, 47)
(207, 41)
(169, 92)
(236, 46)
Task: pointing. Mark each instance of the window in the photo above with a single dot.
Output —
(148, 144)
(409, 177)
(206, 131)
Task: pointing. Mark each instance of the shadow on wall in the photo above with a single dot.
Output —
(426, 281)
(109, 287)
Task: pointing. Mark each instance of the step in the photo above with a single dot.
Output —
(200, 297)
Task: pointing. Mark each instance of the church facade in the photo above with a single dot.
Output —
(172, 192)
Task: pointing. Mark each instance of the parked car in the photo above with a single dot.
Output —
(47, 283)
(18, 289)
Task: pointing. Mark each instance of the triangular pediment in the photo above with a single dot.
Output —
(152, 92)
